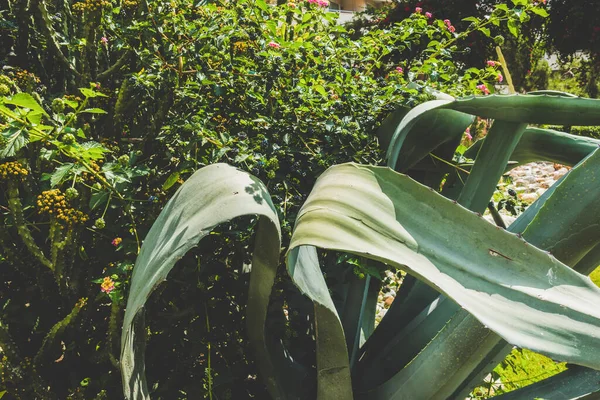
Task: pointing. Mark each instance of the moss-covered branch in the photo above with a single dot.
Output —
(58, 330)
(16, 210)
(50, 34)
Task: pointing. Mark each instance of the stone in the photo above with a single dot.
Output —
(528, 197)
(388, 301)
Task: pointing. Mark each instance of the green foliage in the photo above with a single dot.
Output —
(282, 92)
(586, 131)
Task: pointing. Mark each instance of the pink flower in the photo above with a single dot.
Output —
(500, 78)
(116, 241)
(447, 22)
(400, 70)
(104, 40)
(451, 28)
(468, 134)
(418, 10)
(483, 88)
(107, 285)
(491, 63)
(428, 15)
(322, 3)
(274, 45)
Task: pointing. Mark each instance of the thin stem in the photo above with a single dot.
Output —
(449, 163)
(209, 371)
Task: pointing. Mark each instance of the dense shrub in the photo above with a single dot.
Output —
(282, 92)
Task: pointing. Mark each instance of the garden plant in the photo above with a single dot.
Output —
(107, 108)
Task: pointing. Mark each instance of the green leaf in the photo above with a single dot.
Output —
(92, 151)
(333, 366)
(485, 31)
(213, 195)
(94, 111)
(27, 101)
(71, 103)
(579, 228)
(321, 90)
(540, 11)
(471, 19)
(15, 139)
(98, 199)
(262, 5)
(477, 265)
(513, 27)
(171, 180)
(89, 93)
(60, 174)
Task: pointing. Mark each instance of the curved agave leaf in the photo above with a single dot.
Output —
(490, 164)
(333, 369)
(213, 195)
(406, 125)
(577, 220)
(530, 108)
(574, 185)
(545, 145)
(376, 213)
(433, 128)
(388, 126)
(475, 195)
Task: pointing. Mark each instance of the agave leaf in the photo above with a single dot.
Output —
(552, 93)
(333, 369)
(480, 185)
(532, 109)
(489, 164)
(574, 383)
(213, 195)
(412, 298)
(589, 262)
(496, 276)
(352, 315)
(578, 225)
(574, 185)
(432, 129)
(546, 145)
(405, 126)
(388, 126)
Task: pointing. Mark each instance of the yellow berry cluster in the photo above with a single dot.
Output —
(89, 177)
(72, 97)
(25, 78)
(53, 202)
(13, 170)
(130, 3)
(90, 5)
(240, 47)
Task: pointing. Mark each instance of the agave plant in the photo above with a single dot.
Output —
(474, 290)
